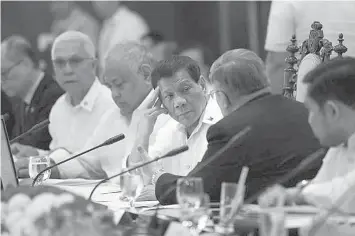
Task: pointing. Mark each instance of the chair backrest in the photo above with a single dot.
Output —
(316, 48)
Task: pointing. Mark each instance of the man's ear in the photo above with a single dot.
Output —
(146, 71)
(331, 109)
(203, 83)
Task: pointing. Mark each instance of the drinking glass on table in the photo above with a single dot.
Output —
(229, 201)
(36, 165)
(194, 204)
(131, 185)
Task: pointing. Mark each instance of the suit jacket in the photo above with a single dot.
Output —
(46, 94)
(279, 139)
(6, 109)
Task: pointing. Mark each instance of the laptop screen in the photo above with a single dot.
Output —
(7, 166)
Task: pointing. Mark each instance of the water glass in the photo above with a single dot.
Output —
(229, 193)
(131, 186)
(38, 164)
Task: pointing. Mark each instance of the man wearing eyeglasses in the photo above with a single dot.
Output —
(21, 79)
(76, 113)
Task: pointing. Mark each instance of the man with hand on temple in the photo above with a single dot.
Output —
(330, 100)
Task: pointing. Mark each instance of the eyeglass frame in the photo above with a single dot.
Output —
(70, 61)
(5, 74)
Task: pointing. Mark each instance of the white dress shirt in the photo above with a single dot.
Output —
(71, 127)
(124, 25)
(173, 135)
(108, 160)
(295, 17)
(336, 175)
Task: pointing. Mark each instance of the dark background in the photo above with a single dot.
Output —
(180, 21)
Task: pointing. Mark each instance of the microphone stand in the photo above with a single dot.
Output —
(169, 154)
(107, 142)
(35, 128)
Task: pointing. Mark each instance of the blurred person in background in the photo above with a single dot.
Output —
(157, 45)
(21, 78)
(74, 116)
(331, 103)
(280, 136)
(120, 24)
(296, 17)
(199, 53)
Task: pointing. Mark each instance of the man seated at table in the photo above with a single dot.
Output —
(330, 100)
(127, 74)
(181, 90)
(36, 91)
(75, 115)
(279, 139)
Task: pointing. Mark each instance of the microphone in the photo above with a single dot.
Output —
(109, 141)
(173, 152)
(304, 165)
(35, 128)
(220, 152)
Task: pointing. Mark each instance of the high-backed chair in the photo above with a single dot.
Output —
(313, 51)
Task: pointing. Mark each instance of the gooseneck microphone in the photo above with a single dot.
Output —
(109, 141)
(37, 127)
(173, 152)
(220, 152)
(303, 166)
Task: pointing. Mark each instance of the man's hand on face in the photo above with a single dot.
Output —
(148, 113)
(20, 150)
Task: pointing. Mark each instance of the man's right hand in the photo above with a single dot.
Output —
(20, 150)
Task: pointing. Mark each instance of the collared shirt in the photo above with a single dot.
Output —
(124, 25)
(173, 135)
(335, 177)
(72, 126)
(295, 17)
(33, 89)
(108, 160)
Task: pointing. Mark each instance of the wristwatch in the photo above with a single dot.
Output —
(156, 175)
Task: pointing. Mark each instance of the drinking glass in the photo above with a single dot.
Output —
(131, 186)
(36, 165)
(229, 193)
(194, 204)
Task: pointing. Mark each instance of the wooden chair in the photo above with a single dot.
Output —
(313, 51)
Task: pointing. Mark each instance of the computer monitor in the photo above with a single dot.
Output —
(7, 166)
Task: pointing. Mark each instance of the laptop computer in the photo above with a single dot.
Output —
(7, 166)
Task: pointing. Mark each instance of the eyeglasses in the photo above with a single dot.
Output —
(212, 93)
(5, 73)
(74, 62)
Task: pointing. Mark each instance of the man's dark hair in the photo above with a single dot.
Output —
(333, 80)
(168, 67)
(155, 36)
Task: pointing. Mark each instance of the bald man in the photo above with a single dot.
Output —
(75, 115)
(37, 91)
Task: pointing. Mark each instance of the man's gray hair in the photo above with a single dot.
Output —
(133, 53)
(241, 70)
(77, 36)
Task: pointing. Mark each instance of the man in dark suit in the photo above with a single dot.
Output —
(279, 139)
(21, 78)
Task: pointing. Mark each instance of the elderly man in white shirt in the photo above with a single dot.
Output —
(295, 17)
(182, 92)
(331, 103)
(127, 74)
(120, 25)
(74, 117)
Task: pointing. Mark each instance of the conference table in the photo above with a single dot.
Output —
(110, 195)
